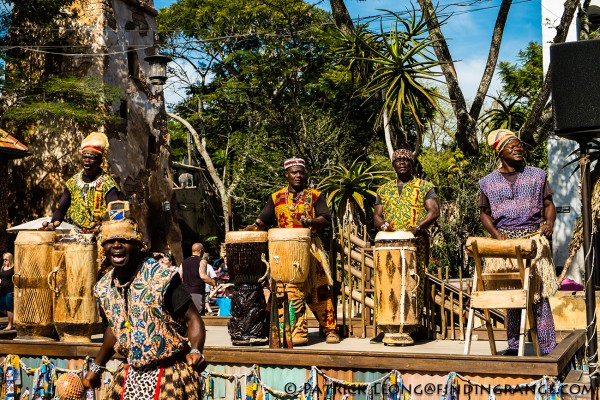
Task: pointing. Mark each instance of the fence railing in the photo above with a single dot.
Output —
(446, 302)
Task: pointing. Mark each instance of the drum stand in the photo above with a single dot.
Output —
(280, 338)
(505, 299)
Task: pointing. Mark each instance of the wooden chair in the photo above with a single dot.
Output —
(518, 249)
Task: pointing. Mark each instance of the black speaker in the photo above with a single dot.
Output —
(576, 88)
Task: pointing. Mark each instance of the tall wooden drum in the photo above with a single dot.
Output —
(245, 250)
(396, 280)
(72, 280)
(289, 254)
(247, 264)
(33, 297)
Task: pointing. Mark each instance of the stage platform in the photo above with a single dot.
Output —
(427, 364)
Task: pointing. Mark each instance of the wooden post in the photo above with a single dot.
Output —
(350, 285)
(343, 279)
(442, 308)
(461, 320)
(362, 286)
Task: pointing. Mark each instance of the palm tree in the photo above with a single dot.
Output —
(508, 114)
(352, 189)
(394, 67)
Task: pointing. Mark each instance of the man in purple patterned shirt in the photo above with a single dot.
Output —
(516, 200)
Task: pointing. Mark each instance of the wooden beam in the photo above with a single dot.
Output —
(499, 299)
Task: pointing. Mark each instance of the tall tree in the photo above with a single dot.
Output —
(265, 88)
(536, 128)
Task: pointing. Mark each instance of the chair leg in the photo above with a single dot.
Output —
(533, 330)
(490, 329)
(522, 332)
(467, 349)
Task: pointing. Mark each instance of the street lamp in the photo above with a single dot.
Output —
(158, 68)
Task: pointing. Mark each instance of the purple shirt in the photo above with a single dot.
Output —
(519, 204)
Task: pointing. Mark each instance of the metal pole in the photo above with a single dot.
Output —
(590, 288)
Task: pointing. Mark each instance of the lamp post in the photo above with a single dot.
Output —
(158, 68)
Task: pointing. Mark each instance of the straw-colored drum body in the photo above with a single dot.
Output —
(289, 254)
(33, 298)
(72, 280)
(245, 251)
(396, 280)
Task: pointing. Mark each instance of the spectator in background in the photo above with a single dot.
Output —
(7, 288)
(210, 271)
(222, 297)
(194, 274)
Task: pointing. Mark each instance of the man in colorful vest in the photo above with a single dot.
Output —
(515, 201)
(296, 206)
(409, 204)
(150, 320)
(87, 193)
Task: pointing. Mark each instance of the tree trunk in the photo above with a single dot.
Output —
(466, 134)
(341, 16)
(387, 131)
(530, 127)
(224, 194)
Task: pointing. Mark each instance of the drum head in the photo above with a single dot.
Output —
(393, 236)
(246, 236)
(289, 234)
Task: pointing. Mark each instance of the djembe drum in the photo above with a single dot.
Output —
(72, 280)
(289, 261)
(33, 298)
(397, 281)
(289, 254)
(246, 261)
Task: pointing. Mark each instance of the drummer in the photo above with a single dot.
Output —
(297, 206)
(83, 202)
(408, 203)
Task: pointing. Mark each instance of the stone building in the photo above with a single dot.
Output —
(109, 40)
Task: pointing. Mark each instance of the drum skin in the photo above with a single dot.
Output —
(289, 254)
(244, 251)
(396, 309)
(33, 298)
(75, 273)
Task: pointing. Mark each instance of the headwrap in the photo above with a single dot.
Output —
(402, 153)
(96, 142)
(499, 138)
(293, 162)
(126, 229)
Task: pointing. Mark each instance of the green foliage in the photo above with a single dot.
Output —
(354, 186)
(507, 114)
(397, 63)
(269, 87)
(81, 101)
(523, 79)
(456, 180)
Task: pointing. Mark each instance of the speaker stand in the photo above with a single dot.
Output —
(590, 259)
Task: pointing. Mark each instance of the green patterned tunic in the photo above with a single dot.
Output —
(88, 200)
(406, 210)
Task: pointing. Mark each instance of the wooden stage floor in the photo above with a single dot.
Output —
(435, 356)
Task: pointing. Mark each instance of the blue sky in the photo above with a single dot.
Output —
(468, 31)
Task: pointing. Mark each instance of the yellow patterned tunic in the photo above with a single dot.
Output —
(88, 200)
(406, 210)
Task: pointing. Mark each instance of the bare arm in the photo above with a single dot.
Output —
(104, 355)
(196, 334)
(433, 212)
(204, 275)
(378, 216)
(485, 214)
(549, 217)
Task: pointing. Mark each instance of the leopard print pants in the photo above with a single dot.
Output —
(179, 381)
